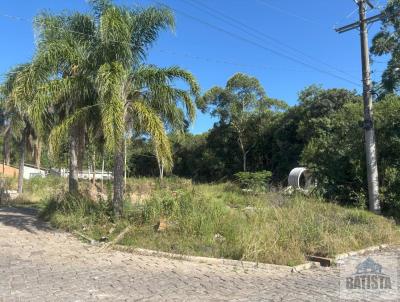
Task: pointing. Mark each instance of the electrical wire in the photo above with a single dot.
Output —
(259, 45)
(211, 59)
(174, 53)
(230, 62)
(289, 13)
(257, 33)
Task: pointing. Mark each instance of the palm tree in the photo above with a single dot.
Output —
(134, 98)
(16, 102)
(66, 56)
(5, 127)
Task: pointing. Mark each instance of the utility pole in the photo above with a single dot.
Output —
(369, 132)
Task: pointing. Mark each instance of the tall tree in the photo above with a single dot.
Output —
(16, 101)
(241, 100)
(134, 98)
(387, 42)
(66, 56)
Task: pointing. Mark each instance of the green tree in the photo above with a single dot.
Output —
(387, 43)
(335, 154)
(388, 136)
(292, 130)
(16, 102)
(317, 104)
(241, 100)
(134, 98)
(66, 57)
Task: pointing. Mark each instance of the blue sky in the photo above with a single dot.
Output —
(214, 50)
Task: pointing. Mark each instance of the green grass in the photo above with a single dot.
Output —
(221, 221)
(37, 188)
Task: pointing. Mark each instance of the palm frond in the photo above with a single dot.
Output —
(115, 33)
(61, 132)
(159, 82)
(110, 82)
(146, 25)
(100, 6)
(148, 121)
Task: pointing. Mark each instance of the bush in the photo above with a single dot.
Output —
(221, 221)
(72, 213)
(336, 156)
(254, 180)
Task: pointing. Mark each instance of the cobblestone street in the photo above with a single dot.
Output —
(40, 264)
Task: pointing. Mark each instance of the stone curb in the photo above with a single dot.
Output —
(306, 266)
(244, 264)
(339, 257)
(217, 261)
(359, 252)
(238, 263)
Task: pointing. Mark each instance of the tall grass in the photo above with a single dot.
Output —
(78, 213)
(222, 221)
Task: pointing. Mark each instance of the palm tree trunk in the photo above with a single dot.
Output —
(161, 172)
(94, 167)
(125, 171)
(38, 152)
(6, 147)
(21, 161)
(73, 161)
(102, 174)
(118, 179)
(160, 166)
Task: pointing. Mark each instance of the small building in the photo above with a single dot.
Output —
(30, 171)
(84, 174)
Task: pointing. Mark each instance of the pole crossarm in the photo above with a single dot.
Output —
(355, 25)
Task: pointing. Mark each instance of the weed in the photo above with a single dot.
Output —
(220, 220)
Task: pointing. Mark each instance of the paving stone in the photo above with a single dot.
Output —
(38, 263)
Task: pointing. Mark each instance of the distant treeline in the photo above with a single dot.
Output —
(323, 132)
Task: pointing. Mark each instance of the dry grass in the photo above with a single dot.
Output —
(222, 221)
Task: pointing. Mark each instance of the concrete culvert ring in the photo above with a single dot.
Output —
(300, 178)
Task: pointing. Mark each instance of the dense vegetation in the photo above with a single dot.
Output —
(222, 221)
(87, 93)
(88, 98)
(323, 132)
(88, 88)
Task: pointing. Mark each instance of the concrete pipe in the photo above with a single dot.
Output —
(300, 178)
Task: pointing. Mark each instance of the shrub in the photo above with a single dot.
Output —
(254, 180)
(219, 221)
(336, 156)
(71, 212)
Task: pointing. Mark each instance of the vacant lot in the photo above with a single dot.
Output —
(217, 220)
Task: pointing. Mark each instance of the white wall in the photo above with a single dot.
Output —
(85, 174)
(30, 172)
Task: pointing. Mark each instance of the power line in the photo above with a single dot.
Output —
(196, 57)
(171, 52)
(230, 62)
(289, 13)
(250, 30)
(261, 46)
(348, 16)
